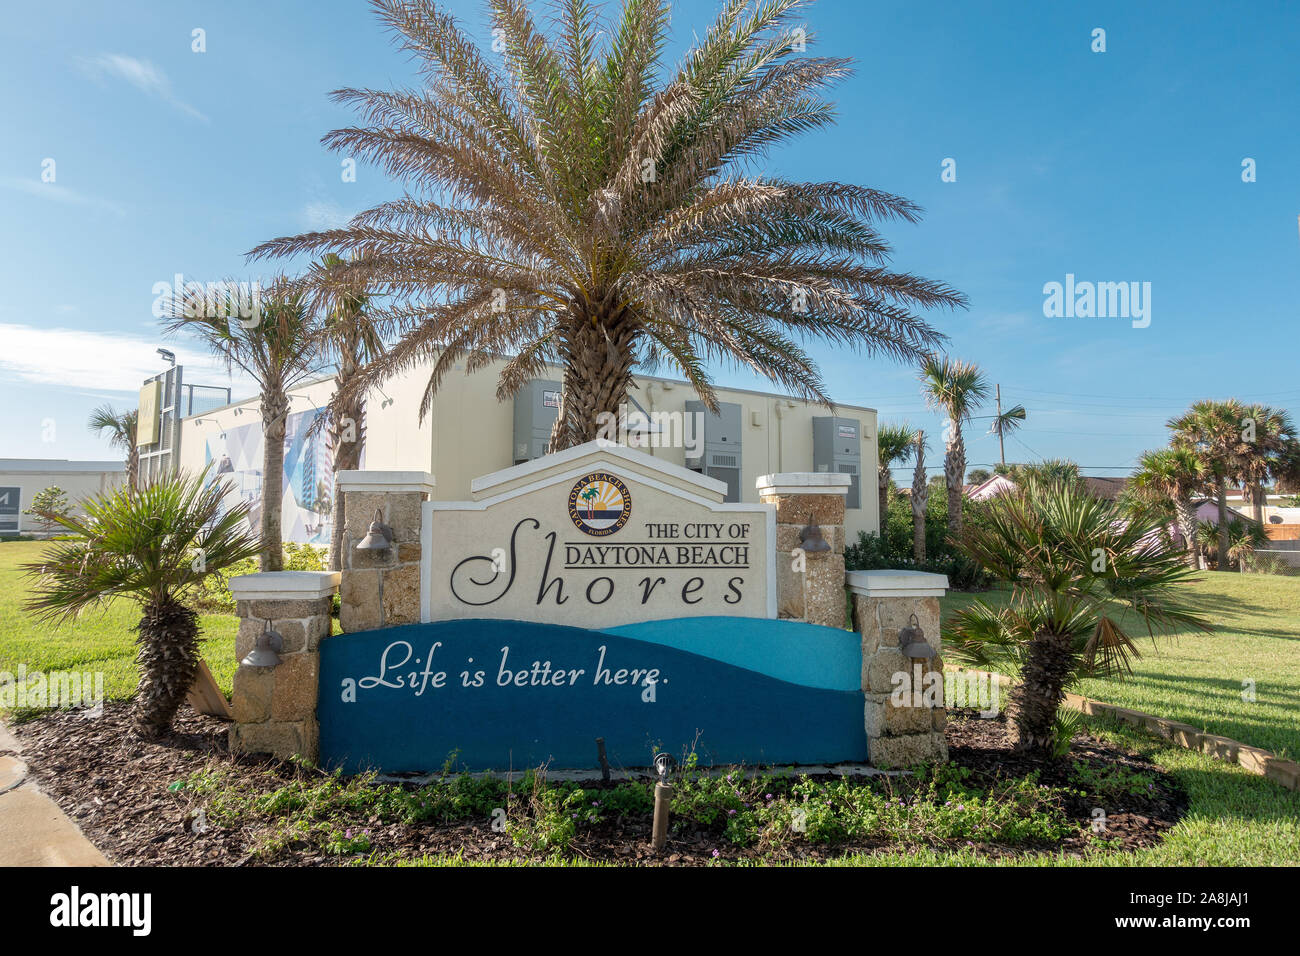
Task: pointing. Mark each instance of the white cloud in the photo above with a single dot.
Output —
(98, 361)
(323, 214)
(141, 74)
(62, 194)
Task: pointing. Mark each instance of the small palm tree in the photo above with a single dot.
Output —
(895, 444)
(1174, 474)
(1215, 431)
(920, 498)
(121, 430)
(955, 388)
(570, 200)
(278, 348)
(1074, 563)
(153, 546)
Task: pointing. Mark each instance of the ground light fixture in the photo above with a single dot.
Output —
(266, 653)
(379, 537)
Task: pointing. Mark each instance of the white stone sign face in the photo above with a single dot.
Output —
(597, 536)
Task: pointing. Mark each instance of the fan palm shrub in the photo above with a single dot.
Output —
(570, 199)
(955, 388)
(120, 428)
(1080, 569)
(1244, 539)
(153, 546)
(278, 348)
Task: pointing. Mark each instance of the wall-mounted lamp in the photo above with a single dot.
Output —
(168, 355)
(266, 653)
(379, 537)
(912, 642)
(810, 538)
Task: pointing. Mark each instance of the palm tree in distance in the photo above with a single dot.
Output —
(1266, 434)
(1176, 474)
(276, 347)
(352, 339)
(1214, 430)
(895, 444)
(121, 430)
(573, 201)
(955, 388)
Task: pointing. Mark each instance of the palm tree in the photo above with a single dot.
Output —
(352, 340)
(1213, 429)
(1268, 433)
(1047, 471)
(277, 349)
(1074, 563)
(920, 498)
(121, 429)
(1174, 474)
(152, 545)
(564, 204)
(895, 444)
(956, 388)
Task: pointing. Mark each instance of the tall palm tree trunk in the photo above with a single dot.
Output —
(598, 358)
(1221, 492)
(1186, 515)
(920, 499)
(954, 472)
(275, 410)
(1049, 661)
(169, 659)
(1257, 502)
(883, 478)
(347, 457)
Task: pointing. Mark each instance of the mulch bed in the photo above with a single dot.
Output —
(116, 788)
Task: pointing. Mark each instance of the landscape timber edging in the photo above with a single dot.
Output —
(1256, 760)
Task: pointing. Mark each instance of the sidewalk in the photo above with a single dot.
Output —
(33, 830)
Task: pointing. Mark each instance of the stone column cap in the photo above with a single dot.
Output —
(284, 585)
(889, 583)
(384, 482)
(803, 483)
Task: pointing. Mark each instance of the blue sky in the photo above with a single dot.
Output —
(1122, 166)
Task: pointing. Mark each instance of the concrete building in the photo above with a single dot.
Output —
(22, 478)
(469, 433)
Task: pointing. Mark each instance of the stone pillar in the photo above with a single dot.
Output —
(815, 594)
(381, 588)
(275, 707)
(905, 726)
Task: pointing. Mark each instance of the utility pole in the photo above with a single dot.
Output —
(1002, 452)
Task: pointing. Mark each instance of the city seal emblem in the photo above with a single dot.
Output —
(599, 504)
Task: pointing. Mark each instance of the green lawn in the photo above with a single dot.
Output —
(102, 640)
(1197, 677)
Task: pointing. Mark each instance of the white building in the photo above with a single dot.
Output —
(469, 433)
(21, 479)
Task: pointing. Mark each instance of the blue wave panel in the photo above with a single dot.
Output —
(383, 707)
